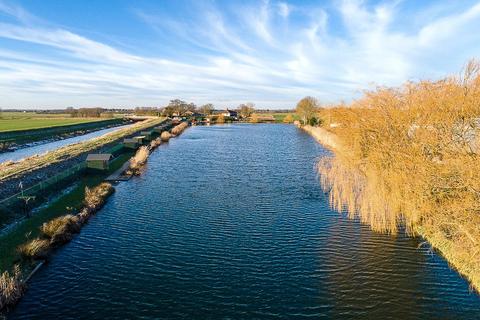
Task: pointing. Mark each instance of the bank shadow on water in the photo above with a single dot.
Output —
(231, 222)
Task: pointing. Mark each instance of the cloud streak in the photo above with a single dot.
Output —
(271, 53)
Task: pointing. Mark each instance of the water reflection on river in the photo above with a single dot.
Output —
(230, 222)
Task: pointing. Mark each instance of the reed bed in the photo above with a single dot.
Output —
(11, 288)
(409, 157)
(34, 249)
(96, 197)
(53, 234)
(62, 229)
(178, 129)
(155, 143)
(138, 160)
(165, 136)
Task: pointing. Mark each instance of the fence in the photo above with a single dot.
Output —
(39, 188)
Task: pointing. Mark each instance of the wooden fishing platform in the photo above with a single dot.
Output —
(118, 175)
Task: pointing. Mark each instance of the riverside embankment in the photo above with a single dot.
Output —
(230, 221)
(33, 170)
(33, 240)
(18, 138)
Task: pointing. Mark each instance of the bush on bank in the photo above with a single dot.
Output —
(11, 288)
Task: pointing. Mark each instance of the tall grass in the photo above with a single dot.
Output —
(11, 288)
(96, 197)
(410, 156)
(165, 136)
(178, 129)
(61, 230)
(139, 160)
(155, 143)
(34, 249)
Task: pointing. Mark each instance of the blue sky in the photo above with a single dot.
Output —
(57, 53)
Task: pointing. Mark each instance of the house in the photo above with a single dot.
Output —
(100, 161)
(230, 113)
(130, 143)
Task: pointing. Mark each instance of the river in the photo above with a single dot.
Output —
(230, 222)
(42, 148)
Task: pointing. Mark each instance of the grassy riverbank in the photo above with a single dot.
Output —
(408, 157)
(70, 151)
(28, 121)
(30, 227)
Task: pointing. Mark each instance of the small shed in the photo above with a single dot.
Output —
(130, 143)
(160, 129)
(139, 139)
(100, 161)
(147, 134)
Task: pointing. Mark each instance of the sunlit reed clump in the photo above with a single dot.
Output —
(155, 143)
(410, 156)
(139, 160)
(178, 129)
(61, 230)
(165, 136)
(11, 288)
(34, 249)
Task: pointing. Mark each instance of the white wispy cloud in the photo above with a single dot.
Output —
(271, 53)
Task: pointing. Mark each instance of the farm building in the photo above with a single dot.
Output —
(100, 161)
(130, 143)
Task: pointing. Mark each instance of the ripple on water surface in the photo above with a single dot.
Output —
(230, 222)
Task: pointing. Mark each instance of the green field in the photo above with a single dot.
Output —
(279, 116)
(13, 121)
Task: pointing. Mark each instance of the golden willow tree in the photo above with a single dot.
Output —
(410, 157)
(307, 109)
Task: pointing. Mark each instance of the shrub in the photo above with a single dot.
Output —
(179, 128)
(95, 198)
(61, 230)
(138, 160)
(288, 118)
(165, 136)
(34, 249)
(155, 143)
(11, 288)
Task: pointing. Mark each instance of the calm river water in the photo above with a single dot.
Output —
(229, 222)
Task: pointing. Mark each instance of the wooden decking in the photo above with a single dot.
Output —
(118, 175)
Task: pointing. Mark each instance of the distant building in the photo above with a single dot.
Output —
(230, 113)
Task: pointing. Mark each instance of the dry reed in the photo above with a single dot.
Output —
(34, 249)
(178, 129)
(138, 160)
(155, 143)
(11, 288)
(409, 157)
(61, 230)
(96, 197)
(165, 136)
